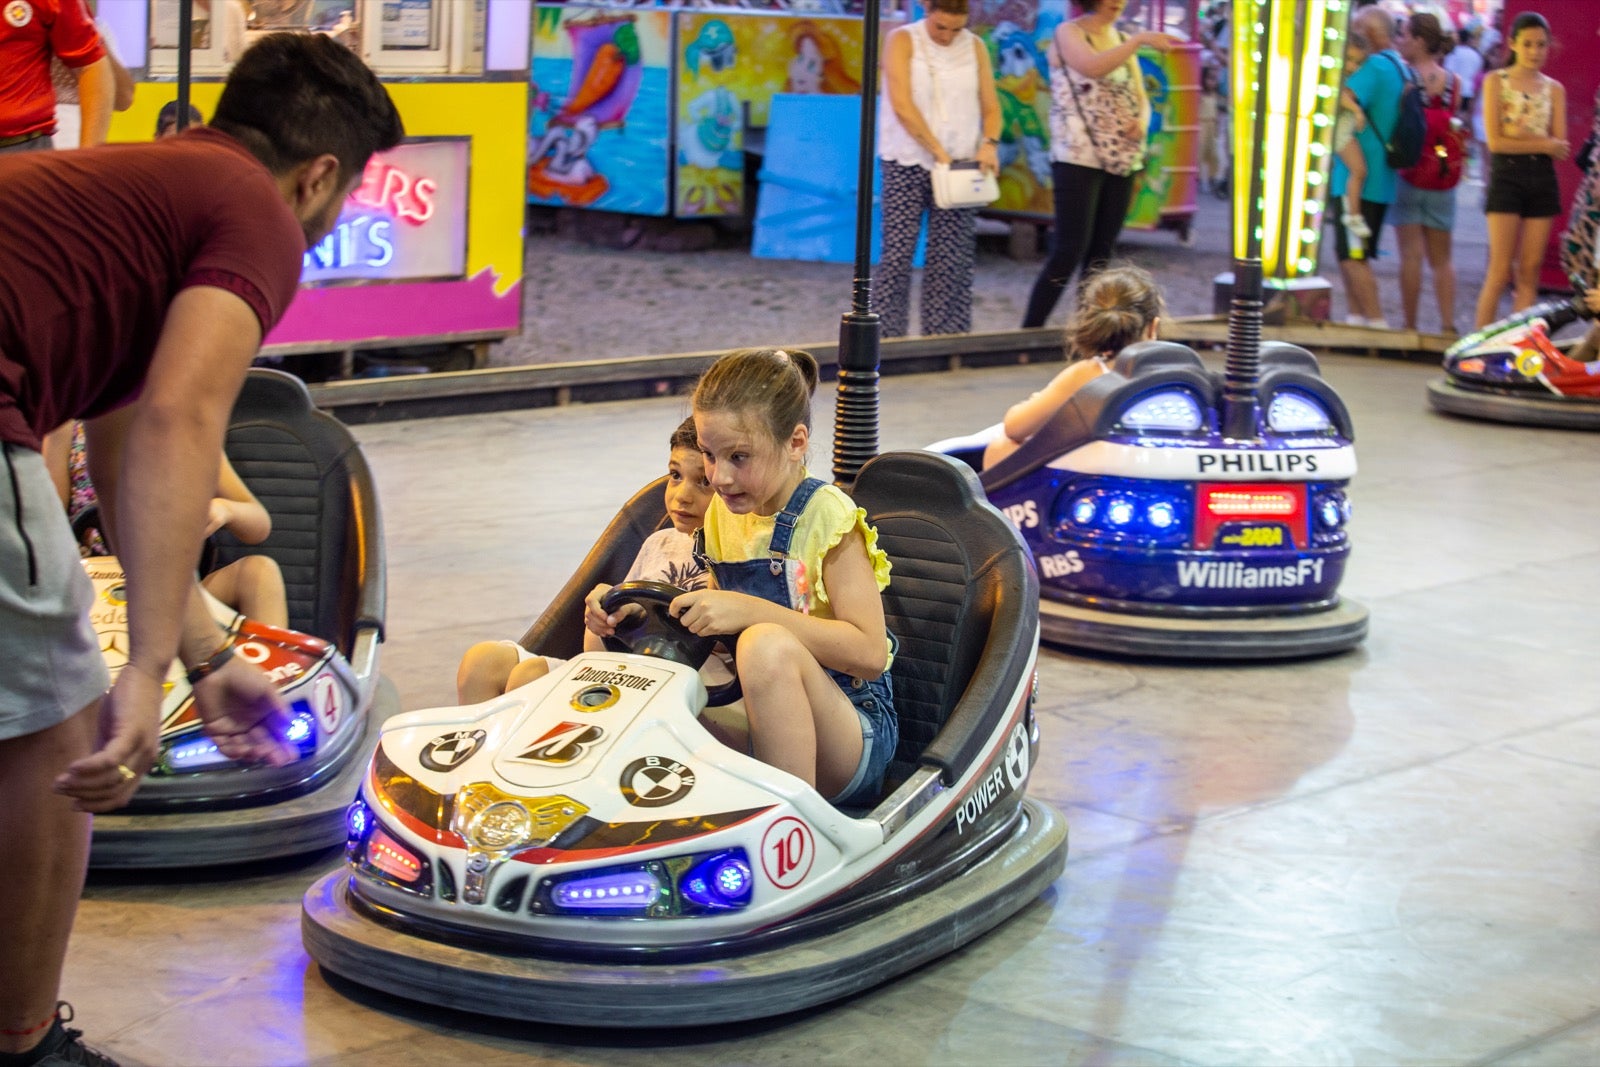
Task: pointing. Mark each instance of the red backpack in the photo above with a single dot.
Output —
(1444, 146)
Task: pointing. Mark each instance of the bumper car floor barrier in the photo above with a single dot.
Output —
(1291, 636)
(1551, 412)
(764, 983)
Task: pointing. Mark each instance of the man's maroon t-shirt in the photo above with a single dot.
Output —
(95, 246)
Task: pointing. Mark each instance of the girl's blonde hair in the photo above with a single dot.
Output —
(772, 387)
(1115, 308)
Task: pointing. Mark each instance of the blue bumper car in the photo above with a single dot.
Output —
(1157, 533)
(582, 851)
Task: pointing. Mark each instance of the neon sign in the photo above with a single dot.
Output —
(406, 220)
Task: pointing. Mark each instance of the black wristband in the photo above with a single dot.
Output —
(200, 671)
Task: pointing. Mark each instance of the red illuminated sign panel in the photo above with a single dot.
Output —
(406, 221)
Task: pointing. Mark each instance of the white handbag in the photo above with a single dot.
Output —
(963, 184)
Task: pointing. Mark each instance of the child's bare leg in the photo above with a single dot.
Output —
(253, 586)
(1589, 347)
(484, 671)
(817, 737)
(529, 670)
(1356, 163)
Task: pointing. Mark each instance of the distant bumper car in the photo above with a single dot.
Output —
(196, 807)
(1512, 371)
(1158, 534)
(581, 851)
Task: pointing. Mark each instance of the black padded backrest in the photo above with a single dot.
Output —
(963, 599)
(310, 475)
(1142, 357)
(559, 630)
(1282, 354)
(1284, 365)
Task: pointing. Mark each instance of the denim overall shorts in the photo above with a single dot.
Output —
(873, 701)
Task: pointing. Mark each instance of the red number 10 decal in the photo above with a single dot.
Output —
(787, 852)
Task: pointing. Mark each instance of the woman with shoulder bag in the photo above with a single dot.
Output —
(1099, 118)
(940, 107)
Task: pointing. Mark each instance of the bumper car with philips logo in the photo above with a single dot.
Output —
(196, 807)
(583, 851)
(1162, 529)
(1514, 371)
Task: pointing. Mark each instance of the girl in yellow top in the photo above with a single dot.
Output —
(798, 576)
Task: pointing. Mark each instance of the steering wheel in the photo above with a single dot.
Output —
(652, 631)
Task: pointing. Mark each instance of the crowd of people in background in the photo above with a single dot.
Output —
(1492, 118)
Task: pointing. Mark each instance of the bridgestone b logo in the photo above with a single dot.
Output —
(1235, 575)
(616, 678)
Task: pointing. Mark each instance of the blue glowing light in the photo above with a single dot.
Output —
(356, 818)
(1120, 513)
(1333, 511)
(1171, 410)
(608, 891)
(719, 882)
(1292, 412)
(195, 755)
(1083, 511)
(299, 728)
(1161, 515)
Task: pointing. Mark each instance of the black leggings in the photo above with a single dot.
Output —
(1090, 206)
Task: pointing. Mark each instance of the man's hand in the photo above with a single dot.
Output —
(130, 721)
(244, 714)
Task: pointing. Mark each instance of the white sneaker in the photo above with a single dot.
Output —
(1356, 226)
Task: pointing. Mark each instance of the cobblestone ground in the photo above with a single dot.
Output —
(584, 301)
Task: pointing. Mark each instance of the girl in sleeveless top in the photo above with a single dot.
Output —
(1525, 120)
(1119, 305)
(1099, 117)
(939, 104)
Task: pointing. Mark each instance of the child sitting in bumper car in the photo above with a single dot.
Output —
(491, 668)
(798, 575)
(1117, 306)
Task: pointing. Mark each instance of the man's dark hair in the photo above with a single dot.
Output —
(295, 96)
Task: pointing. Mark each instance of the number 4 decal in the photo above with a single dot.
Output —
(787, 852)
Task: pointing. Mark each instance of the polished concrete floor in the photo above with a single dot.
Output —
(1389, 856)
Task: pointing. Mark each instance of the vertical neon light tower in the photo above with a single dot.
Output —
(1291, 52)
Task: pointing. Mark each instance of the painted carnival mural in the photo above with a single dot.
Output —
(598, 132)
(730, 65)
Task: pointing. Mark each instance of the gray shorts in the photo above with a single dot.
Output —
(53, 664)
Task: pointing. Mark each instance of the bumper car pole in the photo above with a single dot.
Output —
(1239, 406)
(185, 60)
(855, 420)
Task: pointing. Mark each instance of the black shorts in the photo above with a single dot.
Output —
(1522, 185)
(1372, 212)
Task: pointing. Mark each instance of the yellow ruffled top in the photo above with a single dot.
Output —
(828, 517)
